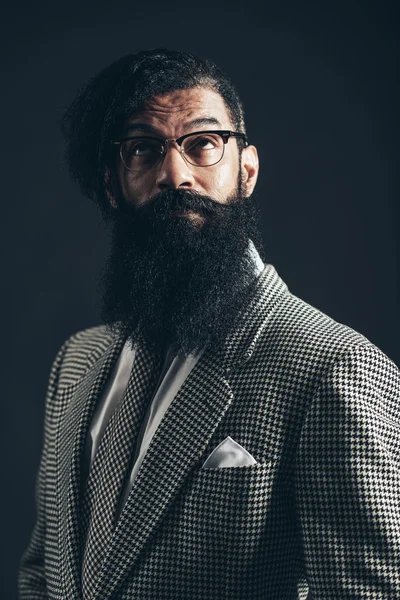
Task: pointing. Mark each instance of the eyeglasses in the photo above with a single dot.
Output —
(201, 149)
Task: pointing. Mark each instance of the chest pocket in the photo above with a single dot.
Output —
(225, 511)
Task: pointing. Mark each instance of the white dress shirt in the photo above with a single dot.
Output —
(174, 372)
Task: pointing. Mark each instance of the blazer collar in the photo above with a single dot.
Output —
(264, 295)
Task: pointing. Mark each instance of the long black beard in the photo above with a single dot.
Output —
(173, 281)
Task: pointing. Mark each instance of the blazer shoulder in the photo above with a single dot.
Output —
(309, 340)
(82, 349)
(309, 322)
(91, 335)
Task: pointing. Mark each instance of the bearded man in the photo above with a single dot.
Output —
(215, 437)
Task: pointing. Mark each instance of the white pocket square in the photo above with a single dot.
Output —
(228, 454)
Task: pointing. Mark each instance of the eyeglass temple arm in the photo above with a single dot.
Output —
(237, 135)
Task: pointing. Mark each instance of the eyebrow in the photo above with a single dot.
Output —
(147, 128)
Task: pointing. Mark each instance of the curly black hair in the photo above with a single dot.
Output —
(102, 105)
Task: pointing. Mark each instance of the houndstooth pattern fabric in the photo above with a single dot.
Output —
(318, 516)
(110, 467)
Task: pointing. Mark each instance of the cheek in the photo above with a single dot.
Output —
(225, 181)
(135, 186)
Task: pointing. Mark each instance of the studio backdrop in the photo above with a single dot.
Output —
(321, 101)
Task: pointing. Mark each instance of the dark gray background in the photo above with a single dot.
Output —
(321, 97)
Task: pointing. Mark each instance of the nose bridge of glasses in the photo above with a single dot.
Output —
(171, 141)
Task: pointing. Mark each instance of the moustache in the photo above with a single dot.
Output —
(162, 205)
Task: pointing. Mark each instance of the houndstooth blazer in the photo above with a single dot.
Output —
(314, 402)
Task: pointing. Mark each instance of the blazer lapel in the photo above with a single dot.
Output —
(177, 445)
(80, 399)
(184, 433)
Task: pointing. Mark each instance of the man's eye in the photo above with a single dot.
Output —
(141, 148)
(202, 143)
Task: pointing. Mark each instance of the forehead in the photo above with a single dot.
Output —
(181, 107)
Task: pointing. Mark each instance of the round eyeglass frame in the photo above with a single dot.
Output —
(225, 134)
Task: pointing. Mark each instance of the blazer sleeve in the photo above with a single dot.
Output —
(31, 576)
(348, 480)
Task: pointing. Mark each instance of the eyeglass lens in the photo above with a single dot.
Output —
(202, 150)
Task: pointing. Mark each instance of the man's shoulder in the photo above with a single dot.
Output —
(308, 337)
(301, 346)
(82, 349)
(311, 324)
(91, 337)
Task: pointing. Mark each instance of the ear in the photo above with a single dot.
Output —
(249, 169)
(109, 188)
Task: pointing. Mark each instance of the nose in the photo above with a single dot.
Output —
(174, 171)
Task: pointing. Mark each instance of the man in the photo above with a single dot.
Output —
(216, 437)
